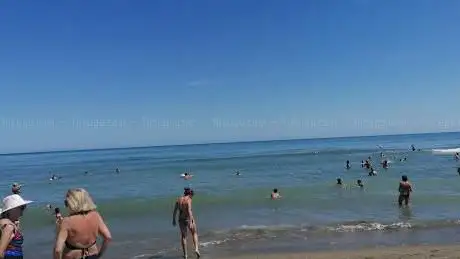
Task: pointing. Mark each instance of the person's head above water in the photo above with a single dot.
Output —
(188, 192)
(359, 182)
(16, 188)
(57, 211)
(275, 190)
(339, 181)
(404, 178)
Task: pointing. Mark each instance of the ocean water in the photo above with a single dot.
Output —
(234, 213)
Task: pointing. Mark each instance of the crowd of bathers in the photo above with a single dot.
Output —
(404, 189)
(77, 232)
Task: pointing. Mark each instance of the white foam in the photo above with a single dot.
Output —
(449, 151)
(214, 242)
(369, 227)
(264, 227)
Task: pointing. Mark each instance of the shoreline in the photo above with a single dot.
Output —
(396, 252)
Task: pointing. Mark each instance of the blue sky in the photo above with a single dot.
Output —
(94, 74)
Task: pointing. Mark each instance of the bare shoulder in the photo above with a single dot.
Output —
(96, 216)
(64, 222)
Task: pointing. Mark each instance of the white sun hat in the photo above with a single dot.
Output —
(13, 201)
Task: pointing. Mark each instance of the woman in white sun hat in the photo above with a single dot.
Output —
(11, 238)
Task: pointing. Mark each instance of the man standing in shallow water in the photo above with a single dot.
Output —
(186, 220)
(405, 189)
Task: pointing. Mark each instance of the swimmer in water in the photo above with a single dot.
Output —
(457, 156)
(367, 164)
(187, 176)
(117, 170)
(48, 207)
(339, 181)
(372, 172)
(16, 188)
(348, 166)
(385, 164)
(360, 183)
(275, 194)
(412, 147)
(405, 189)
(362, 163)
(237, 173)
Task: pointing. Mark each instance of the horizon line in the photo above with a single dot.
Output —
(216, 143)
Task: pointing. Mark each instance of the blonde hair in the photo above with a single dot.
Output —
(79, 201)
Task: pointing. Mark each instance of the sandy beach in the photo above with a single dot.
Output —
(402, 252)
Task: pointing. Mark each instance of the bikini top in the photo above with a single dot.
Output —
(14, 248)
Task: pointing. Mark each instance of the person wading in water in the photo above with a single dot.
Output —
(186, 220)
(405, 189)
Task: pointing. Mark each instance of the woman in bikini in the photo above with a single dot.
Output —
(11, 238)
(77, 234)
(183, 207)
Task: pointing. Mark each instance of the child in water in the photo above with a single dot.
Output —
(275, 194)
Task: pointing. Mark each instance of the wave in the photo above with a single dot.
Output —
(351, 226)
(449, 151)
(244, 233)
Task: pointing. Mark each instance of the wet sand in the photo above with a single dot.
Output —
(402, 252)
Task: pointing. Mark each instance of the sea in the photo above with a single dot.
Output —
(234, 213)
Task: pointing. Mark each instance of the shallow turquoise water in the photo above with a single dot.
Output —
(137, 203)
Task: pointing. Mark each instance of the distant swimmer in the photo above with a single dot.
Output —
(86, 172)
(275, 194)
(372, 172)
(237, 173)
(457, 156)
(385, 164)
(362, 163)
(16, 188)
(360, 183)
(117, 170)
(186, 220)
(405, 189)
(348, 166)
(339, 181)
(412, 147)
(186, 176)
(367, 164)
(55, 177)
